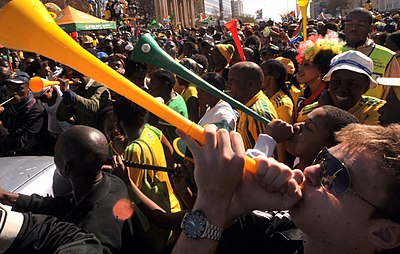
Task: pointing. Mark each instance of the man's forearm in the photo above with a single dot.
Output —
(9, 198)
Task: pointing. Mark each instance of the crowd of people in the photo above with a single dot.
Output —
(325, 151)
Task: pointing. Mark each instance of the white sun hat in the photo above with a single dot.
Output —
(353, 61)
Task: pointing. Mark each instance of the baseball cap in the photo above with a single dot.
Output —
(208, 39)
(18, 77)
(10, 225)
(355, 61)
(39, 94)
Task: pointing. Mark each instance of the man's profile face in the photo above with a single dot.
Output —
(4, 73)
(346, 88)
(311, 136)
(19, 91)
(357, 28)
(235, 84)
(342, 219)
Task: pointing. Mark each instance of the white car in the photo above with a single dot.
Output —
(32, 174)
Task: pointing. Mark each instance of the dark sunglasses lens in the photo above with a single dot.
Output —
(336, 178)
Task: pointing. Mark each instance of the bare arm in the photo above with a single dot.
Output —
(152, 211)
(8, 198)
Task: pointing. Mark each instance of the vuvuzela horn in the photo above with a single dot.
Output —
(148, 51)
(232, 27)
(46, 38)
(36, 84)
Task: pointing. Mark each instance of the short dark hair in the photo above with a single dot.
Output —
(202, 60)
(363, 11)
(322, 60)
(337, 119)
(129, 112)
(277, 70)
(166, 77)
(215, 79)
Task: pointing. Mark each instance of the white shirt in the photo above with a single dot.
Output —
(221, 111)
(54, 126)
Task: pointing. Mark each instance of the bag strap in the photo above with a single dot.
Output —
(147, 144)
(141, 148)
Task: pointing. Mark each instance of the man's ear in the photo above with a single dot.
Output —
(384, 234)
(66, 171)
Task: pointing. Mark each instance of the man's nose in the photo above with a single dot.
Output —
(313, 174)
(297, 127)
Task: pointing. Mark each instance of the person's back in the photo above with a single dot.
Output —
(148, 149)
(145, 147)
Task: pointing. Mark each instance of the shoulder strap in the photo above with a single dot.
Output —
(139, 141)
(141, 148)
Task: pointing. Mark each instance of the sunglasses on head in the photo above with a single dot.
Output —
(336, 178)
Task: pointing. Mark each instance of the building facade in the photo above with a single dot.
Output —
(184, 11)
(237, 8)
(318, 6)
(387, 5)
(211, 7)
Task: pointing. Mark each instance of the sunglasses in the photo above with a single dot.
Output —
(336, 179)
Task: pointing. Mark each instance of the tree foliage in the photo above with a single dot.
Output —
(247, 18)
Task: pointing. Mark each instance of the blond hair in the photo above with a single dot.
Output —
(385, 143)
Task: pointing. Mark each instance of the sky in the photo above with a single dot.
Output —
(271, 8)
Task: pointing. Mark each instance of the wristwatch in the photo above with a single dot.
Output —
(195, 225)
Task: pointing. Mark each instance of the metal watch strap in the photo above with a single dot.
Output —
(212, 232)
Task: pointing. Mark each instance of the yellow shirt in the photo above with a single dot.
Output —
(296, 93)
(283, 106)
(150, 138)
(366, 110)
(191, 91)
(249, 128)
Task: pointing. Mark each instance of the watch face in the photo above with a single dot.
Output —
(194, 225)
